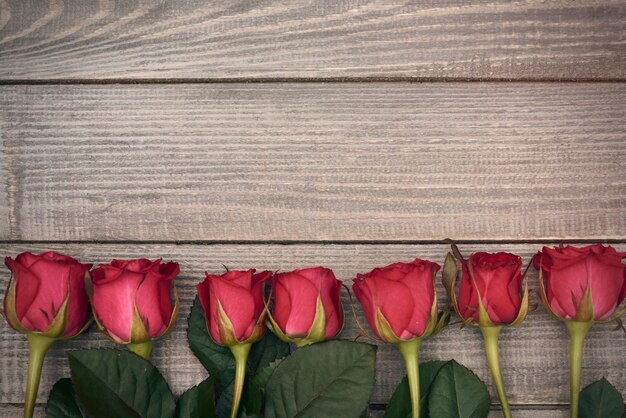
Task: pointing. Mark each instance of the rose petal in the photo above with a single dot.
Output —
(295, 303)
(237, 303)
(113, 303)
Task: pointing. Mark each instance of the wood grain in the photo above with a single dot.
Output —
(6, 185)
(194, 39)
(315, 161)
(535, 354)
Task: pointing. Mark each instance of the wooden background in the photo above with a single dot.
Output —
(350, 134)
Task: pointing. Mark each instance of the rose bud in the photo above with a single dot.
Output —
(581, 286)
(46, 300)
(307, 306)
(491, 294)
(491, 284)
(132, 303)
(235, 312)
(234, 307)
(47, 295)
(400, 305)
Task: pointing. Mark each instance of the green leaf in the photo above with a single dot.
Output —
(198, 401)
(265, 352)
(119, 384)
(219, 361)
(329, 379)
(601, 400)
(400, 403)
(456, 392)
(254, 392)
(63, 401)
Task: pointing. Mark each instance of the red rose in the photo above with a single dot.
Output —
(307, 305)
(47, 294)
(569, 272)
(233, 306)
(399, 300)
(498, 280)
(132, 299)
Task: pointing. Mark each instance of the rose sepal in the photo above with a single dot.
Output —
(544, 297)
(316, 333)
(227, 331)
(450, 275)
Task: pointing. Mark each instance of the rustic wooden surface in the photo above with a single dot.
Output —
(290, 161)
(497, 39)
(224, 133)
(536, 353)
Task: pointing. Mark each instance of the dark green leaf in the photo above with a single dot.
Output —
(198, 401)
(330, 379)
(254, 393)
(266, 351)
(63, 401)
(219, 361)
(601, 400)
(400, 402)
(119, 384)
(456, 392)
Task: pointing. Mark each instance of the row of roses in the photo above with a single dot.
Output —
(132, 303)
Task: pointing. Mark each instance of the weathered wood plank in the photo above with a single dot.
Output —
(535, 354)
(315, 161)
(7, 185)
(15, 411)
(497, 39)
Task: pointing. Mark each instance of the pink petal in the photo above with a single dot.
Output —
(26, 289)
(237, 303)
(468, 297)
(395, 302)
(366, 299)
(420, 283)
(113, 303)
(607, 281)
(567, 280)
(295, 302)
(154, 303)
(79, 302)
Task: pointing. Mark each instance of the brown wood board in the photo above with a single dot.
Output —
(165, 39)
(315, 161)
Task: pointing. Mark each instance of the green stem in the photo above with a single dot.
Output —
(493, 358)
(240, 352)
(410, 351)
(141, 349)
(38, 347)
(578, 332)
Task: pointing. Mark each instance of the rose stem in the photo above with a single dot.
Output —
(410, 350)
(578, 332)
(38, 347)
(240, 352)
(493, 358)
(143, 350)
